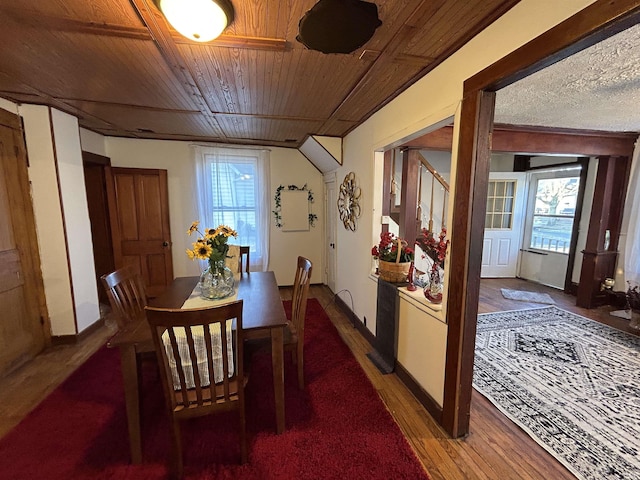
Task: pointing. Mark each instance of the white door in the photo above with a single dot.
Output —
(551, 207)
(503, 224)
(330, 206)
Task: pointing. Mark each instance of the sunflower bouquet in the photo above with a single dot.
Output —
(211, 245)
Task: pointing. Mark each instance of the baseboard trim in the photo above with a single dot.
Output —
(355, 321)
(77, 338)
(423, 397)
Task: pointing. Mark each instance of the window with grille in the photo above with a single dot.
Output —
(500, 204)
(233, 190)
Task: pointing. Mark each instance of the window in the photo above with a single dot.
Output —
(500, 204)
(233, 190)
(553, 211)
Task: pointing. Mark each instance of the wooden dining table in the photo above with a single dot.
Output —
(263, 316)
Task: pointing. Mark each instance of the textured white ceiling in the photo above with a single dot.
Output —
(596, 89)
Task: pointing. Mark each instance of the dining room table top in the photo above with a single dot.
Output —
(262, 305)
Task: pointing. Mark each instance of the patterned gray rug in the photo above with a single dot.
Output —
(571, 383)
(525, 296)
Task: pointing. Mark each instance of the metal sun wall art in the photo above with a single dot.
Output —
(349, 202)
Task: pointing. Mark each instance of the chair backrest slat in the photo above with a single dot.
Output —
(194, 364)
(300, 293)
(210, 364)
(178, 365)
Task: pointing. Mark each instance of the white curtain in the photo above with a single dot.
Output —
(233, 189)
(631, 221)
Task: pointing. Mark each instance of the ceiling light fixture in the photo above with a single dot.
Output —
(199, 20)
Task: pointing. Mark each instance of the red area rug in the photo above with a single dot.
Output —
(337, 428)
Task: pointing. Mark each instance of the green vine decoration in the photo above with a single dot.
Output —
(277, 212)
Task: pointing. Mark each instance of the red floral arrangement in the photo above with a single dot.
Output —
(435, 248)
(387, 249)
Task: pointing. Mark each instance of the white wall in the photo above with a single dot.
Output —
(288, 166)
(92, 142)
(502, 162)
(8, 106)
(432, 99)
(76, 218)
(49, 221)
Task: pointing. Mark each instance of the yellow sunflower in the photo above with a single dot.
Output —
(227, 231)
(202, 250)
(193, 227)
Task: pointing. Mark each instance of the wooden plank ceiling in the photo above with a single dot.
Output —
(119, 67)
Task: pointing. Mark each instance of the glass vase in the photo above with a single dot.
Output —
(433, 289)
(217, 281)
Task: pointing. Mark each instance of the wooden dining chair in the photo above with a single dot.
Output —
(126, 293)
(294, 330)
(236, 256)
(244, 254)
(200, 371)
(294, 333)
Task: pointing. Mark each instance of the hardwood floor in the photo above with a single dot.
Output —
(23, 389)
(494, 449)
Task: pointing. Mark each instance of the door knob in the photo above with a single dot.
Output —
(165, 244)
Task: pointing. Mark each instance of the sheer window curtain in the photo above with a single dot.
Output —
(632, 222)
(232, 188)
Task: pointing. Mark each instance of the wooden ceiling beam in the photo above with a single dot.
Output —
(538, 140)
(159, 29)
(237, 41)
(50, 22)
(402, 58)
(48, 100)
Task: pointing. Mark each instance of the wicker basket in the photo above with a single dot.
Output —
(393, 272)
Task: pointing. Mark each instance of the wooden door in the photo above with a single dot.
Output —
(139, 213)
(95, 184)
(24, 326)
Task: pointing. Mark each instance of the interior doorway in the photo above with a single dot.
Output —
(95, 183)
(589, 26)
(330, 233)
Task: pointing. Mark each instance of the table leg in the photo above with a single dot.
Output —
(277, 359)
(129, 363)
